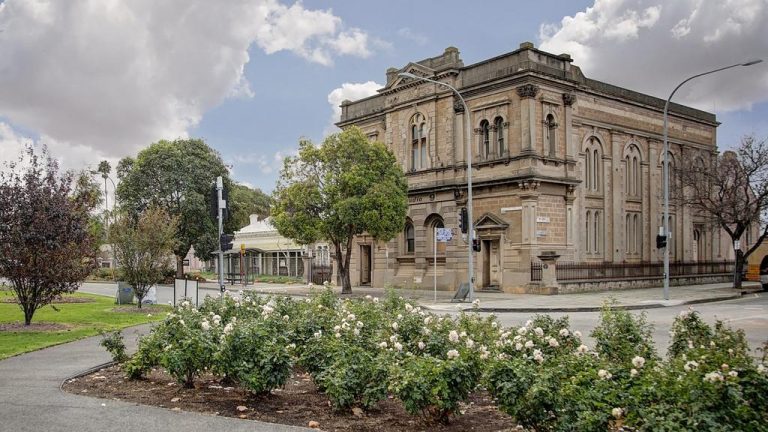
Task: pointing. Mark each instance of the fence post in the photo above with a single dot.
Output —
(549, 272)
(306, 259)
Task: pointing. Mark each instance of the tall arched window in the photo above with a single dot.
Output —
(551, 127)
(627, 176)
(592, 165)
(436, 224)
(588, 232)
(498, 125)
(638, 234)
(636, 190)
(410, 238)
(485, 138)
(628, 233)
(418, 142)
(597, 237)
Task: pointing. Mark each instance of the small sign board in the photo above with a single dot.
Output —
(541, 233)
(736, 244)
(185, 262)
(443, 234)
(542, 219)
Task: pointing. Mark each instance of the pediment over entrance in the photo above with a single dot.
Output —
(490, 221)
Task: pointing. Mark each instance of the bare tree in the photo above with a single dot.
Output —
(731, 192)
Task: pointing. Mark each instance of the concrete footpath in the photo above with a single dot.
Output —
(646, 298)
(31, 399)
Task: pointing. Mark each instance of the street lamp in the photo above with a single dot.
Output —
(470, 230)
(666, 166)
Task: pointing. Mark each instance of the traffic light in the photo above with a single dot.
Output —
(463, 220)
(476, 245)
(661, 241)
(225, 241)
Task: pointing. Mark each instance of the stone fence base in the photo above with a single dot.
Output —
(579, 286)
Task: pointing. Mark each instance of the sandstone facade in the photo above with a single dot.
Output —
(560, 162)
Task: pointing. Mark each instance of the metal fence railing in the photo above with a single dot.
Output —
(567, 271)
(535, 271)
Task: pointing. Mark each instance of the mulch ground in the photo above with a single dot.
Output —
(33, 327)
(298, 403)
(147, 309)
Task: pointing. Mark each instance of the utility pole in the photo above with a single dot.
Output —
(222, 205)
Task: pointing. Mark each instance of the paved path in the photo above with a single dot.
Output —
(646, 298)
(30, 398)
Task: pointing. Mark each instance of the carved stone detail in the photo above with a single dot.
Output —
(527, 91)
(458, 107)
(569, 99)
(529, 185)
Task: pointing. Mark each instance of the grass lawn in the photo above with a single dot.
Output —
(81, 320)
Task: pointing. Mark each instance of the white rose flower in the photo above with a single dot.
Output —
(399, 316)
(582, 349)
(617, 412)
(337, 328)
(494, 324)
(633, 372)
(452, 354)
(453, 336)
(518, 346)
(538, 331)
(529, 344)
(604, 374)
(714, 377)
(554, 343)
(383, 345)
(427, 320)
(421, 345)
(528, 323)
(522, 331)
(375, 299)
(408, 307)
(393, 338)
(398, 346)
(228, 328)
(733, 374)
(394, 326)
(463, 334)
(356, 332)
(318, 334)
(368, 297)
(205, 325)
(761, 368)
(638, 362)
(577, 334)
(470, 343)
(359, 324)
(476, 304)
(182, 322)
(338, 335)
(564, 332)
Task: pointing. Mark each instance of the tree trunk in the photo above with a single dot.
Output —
(738, 269)
(346, 286)
(180, 267)
(28, 313)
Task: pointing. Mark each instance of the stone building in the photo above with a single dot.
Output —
(561, 162)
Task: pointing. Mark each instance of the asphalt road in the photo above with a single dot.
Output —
(749, 313)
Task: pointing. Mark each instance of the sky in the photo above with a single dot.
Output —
(102, 79)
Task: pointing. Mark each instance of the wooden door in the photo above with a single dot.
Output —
(365, 264)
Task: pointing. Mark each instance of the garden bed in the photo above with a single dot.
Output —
(298, 403)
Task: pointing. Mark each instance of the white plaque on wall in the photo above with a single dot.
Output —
(542, 219)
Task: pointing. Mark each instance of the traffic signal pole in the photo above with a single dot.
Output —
(222, 204)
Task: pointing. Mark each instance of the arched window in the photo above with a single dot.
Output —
(418, 142)
(592, 165)
(410, 238)
(638, 243)
(628, 233)
(636, 190)
(498, 125)
(551, 135)
(485, 139)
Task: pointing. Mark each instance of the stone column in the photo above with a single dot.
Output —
(528, 127)
(306, 260)
(614, 211)
(549, 272)
(570, 215)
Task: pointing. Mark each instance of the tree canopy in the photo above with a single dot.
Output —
(177, 177)
(345, 187)
(142, 246)
(243, 202)
(45, 244)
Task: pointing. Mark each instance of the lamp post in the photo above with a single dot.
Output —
(470, 230)
(666, 166)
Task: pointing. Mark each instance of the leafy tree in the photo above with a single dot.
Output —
(45, 244)
(730, 192)
(176, 176)
(243, 202)
(143, 246)
(345, 187)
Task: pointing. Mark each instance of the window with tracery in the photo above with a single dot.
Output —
(485, 139)
(498, 125)
(593, 165)
(418, 142)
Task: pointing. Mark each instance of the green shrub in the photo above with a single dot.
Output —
(620, 335)
(254, 353)
(189, 346)
(433, 387)
(147, 355)
(114, 344)
(356, 376)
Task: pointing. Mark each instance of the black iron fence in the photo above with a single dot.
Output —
(535, 271)
(567, 271)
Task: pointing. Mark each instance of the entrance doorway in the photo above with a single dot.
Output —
(491, 264)
(365, 264)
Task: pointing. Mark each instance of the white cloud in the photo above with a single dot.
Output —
(408, 34)
(649, 47)
(104, 79)
(264, 163)
(350, 91)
